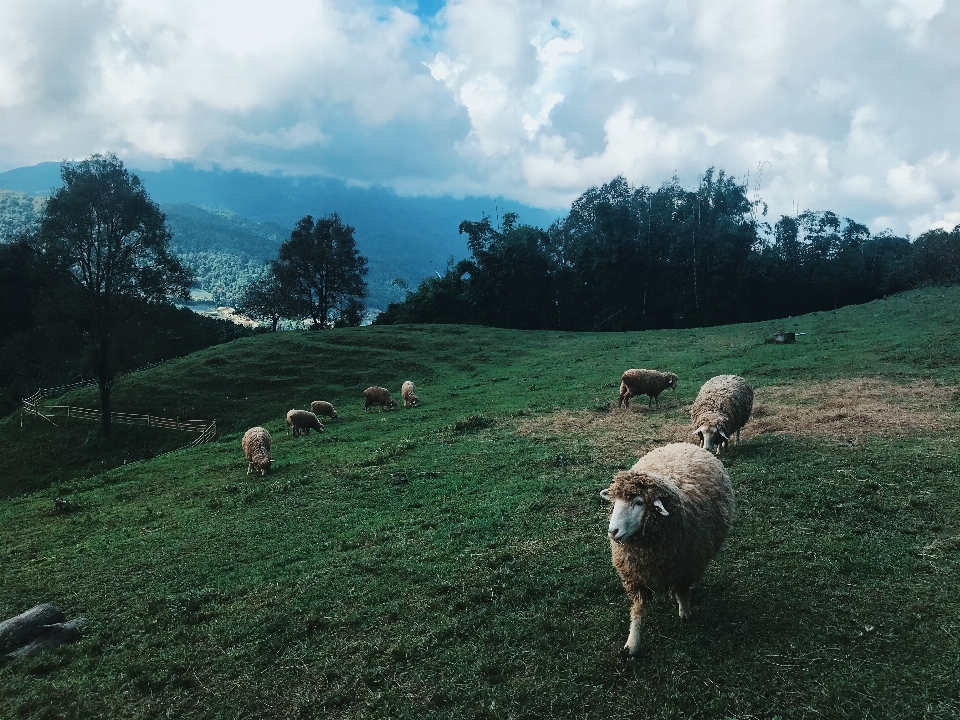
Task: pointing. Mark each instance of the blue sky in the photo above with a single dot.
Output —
(847, 105)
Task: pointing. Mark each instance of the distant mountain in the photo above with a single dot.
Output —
(225, 250)
(405, 237)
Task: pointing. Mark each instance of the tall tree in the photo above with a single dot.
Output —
(324, 271)
(265, 299)
(112, 241)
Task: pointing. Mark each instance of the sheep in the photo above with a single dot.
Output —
(321, 407)
(669, 516)
(256, 448)
(300, 421)
(378, 396)
(409, 392)
(645, 382)
(722, 408)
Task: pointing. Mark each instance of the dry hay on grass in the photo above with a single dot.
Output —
(612, 433)
(848, 409)
(853, 408)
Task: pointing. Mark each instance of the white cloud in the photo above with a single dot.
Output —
(913, 16)
(849, 105)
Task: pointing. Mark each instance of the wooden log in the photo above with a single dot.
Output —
(52, 636)
(27, 625)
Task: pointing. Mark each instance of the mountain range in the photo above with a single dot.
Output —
(227, 223)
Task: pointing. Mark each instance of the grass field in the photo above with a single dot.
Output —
(450, 560)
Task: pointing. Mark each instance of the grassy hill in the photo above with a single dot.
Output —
(450, 560)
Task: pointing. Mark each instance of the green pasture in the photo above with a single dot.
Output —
(435, 562)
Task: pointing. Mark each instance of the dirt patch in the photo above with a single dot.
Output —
(849, 409)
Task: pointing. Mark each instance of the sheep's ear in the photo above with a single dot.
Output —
(605, 494)
(658, 504)
(699, 430)
(723, 434)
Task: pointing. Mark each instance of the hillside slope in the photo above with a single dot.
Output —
(450, 560)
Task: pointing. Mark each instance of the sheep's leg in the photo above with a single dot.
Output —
(249, 467)
(738, 437)
(682, 594)
(632, 647)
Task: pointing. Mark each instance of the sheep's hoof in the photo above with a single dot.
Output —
(631, 654)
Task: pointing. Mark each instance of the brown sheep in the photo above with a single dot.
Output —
(378, 396)
(671, 513)
(322, 407)
(301, 421)
(644, 382)
(721, 409)
(256, 448)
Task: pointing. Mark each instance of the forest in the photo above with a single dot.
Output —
(632, 258)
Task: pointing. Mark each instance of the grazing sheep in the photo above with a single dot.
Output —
(721, 409)
(322, 407)
(671, 513)
(378, 396)
(256, 447)
(409, 392)
(644, 382)
(300, 421)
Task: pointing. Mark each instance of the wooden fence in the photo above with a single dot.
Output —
(58, 391)
(206, 430)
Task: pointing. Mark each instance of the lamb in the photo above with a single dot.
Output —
(322, 407)
(300, 421)
(644, 382)
(378, 396)
(722, 408)
(409, 392)
(671, 513)
(256, 447)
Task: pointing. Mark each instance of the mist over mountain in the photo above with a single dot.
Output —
(402, 237)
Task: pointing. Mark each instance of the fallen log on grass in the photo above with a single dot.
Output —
(39, 628)
(53, 636)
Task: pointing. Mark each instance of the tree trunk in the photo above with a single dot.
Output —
(104, 405)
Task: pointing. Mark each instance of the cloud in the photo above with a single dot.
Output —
(193, 80)
(846, 105)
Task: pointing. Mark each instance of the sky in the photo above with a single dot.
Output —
(844, 105)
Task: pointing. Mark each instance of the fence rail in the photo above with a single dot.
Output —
(206, 429)
(43, 393)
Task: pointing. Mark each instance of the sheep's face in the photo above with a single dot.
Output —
(673, 381)
(262, 462)
(631, 511)
(709, 435)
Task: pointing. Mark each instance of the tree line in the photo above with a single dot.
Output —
(632, 258)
